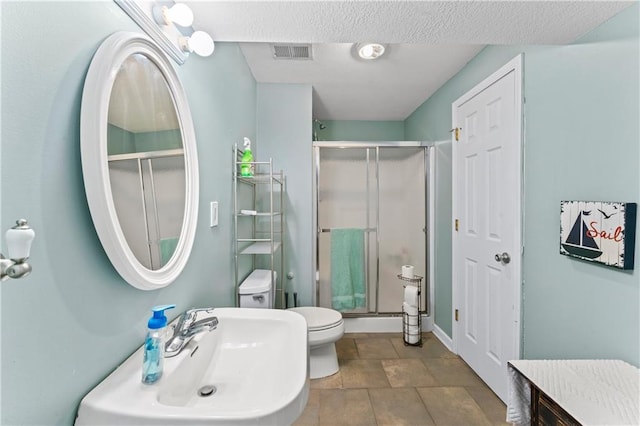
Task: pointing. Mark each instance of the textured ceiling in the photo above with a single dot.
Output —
(431, 42)
(348, 88)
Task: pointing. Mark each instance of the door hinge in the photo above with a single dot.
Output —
(456, 132)
(457, 225)
(456, 315)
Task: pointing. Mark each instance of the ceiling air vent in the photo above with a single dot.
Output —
(291, 51)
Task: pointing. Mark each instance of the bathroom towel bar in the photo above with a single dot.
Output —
(365, 229)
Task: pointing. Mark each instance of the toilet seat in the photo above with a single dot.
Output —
(319, 319)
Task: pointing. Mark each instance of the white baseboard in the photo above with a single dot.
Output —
(442, 336)
(381, 324)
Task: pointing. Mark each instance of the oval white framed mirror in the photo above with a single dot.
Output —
(139, 160)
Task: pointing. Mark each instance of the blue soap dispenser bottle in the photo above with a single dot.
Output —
(153, 357)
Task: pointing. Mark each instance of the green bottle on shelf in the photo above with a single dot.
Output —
(246, 168)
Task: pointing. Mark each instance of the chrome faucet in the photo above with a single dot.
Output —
(192, 322)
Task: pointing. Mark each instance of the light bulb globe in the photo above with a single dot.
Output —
(179, 14)
(201, 43)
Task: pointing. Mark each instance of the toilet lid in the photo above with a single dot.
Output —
(258, 281)
(319, 318)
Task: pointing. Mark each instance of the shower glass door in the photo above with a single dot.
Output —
(382, 191)
(402, 226)
(344, 196)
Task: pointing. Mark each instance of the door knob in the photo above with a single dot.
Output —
(504, 258)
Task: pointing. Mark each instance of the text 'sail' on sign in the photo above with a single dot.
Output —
(599, 231)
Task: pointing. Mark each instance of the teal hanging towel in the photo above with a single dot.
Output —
(347, 269)
(167, 248)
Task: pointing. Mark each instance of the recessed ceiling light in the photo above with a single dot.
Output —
(370, 50)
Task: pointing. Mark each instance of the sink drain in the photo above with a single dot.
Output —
(207, 390)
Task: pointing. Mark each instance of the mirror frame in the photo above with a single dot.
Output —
(95, 169)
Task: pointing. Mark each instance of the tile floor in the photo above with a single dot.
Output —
(383, 382)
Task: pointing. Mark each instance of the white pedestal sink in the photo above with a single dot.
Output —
(257, 361)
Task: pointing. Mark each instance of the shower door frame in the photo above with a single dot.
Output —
(429, 164)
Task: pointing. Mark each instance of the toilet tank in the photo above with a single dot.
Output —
(256, 290)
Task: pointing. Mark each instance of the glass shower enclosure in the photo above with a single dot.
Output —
(380, 189)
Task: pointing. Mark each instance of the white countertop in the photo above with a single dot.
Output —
(594, 392)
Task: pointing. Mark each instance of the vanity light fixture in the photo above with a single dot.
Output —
(370, 51)
(179, 14)
(169, 24)
(19, 239)
(199, 43)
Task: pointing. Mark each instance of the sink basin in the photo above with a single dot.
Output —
(251, 370)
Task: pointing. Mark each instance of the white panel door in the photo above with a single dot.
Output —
(487, 225)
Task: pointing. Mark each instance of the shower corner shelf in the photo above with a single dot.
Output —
(259, 223)
(412, 323)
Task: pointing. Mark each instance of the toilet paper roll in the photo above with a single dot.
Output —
(412, 314)
(413, 335)
(411, 330)
(407, 271)
(411, 295)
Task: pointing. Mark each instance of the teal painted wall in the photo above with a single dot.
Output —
(284, 134)
(122, 141)
(581, 143)
(358, 130)
(158, 141)
(73, 320)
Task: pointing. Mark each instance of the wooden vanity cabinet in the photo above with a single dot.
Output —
(546, 412)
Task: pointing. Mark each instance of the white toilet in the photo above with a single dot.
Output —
(256, 290)
(325, 327)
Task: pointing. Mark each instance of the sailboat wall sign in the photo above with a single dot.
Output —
(599, 231)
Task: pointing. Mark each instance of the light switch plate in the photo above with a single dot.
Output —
(214, 214)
